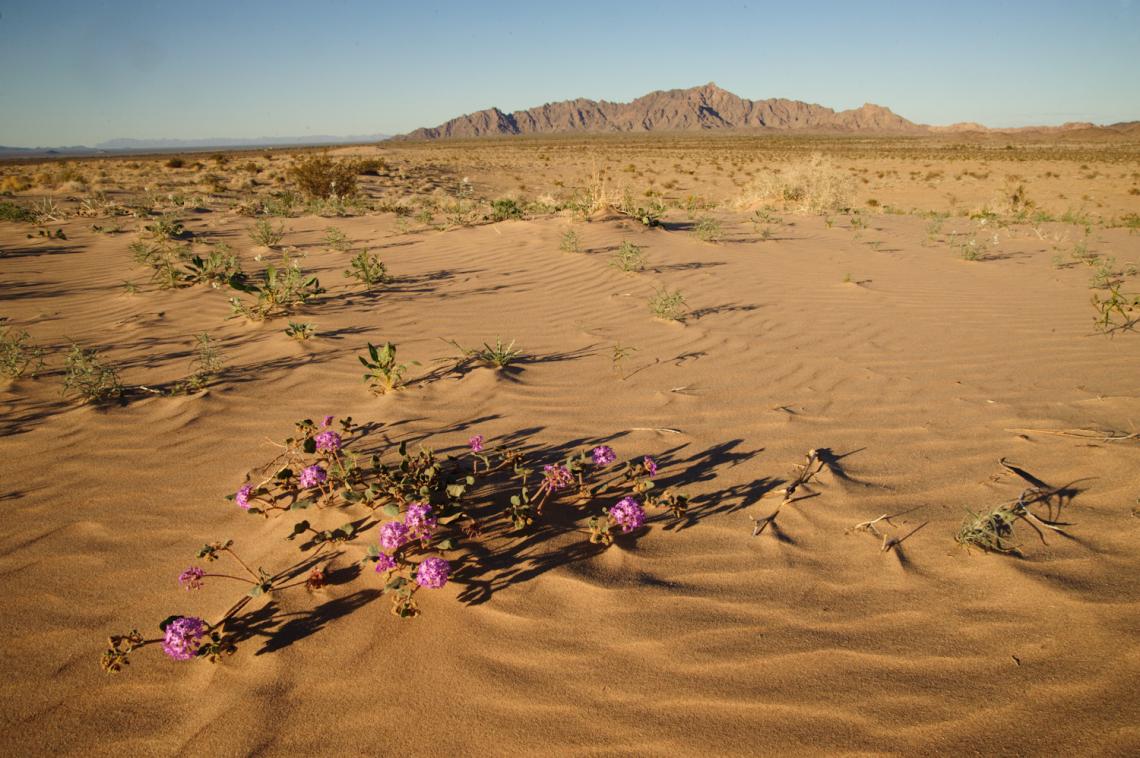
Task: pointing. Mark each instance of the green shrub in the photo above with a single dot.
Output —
(18, 354)
(505, 208)
(263, 233)
(628, 257)
(13, 212)
(367, 269)
(89, 378)
(667, 305)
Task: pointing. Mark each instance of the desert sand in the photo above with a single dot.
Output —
(864, 335)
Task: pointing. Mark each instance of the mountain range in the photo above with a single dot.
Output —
(703, 108)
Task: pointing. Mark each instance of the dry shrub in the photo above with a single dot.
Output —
(816, 185)
(62, 175)
(15, 183)
(320, 176)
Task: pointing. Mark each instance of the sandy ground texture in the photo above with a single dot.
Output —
(913, 370)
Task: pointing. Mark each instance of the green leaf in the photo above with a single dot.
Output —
(167, 621)
(301, 504)
(310, 446)
(391, 510)
(444, 544)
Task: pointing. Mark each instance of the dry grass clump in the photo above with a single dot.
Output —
(816, 185)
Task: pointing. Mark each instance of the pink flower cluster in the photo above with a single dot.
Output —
(557, 477)
(628, 514)
(183, 637)
(312, 476)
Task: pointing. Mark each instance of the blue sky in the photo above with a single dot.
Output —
(83, 72)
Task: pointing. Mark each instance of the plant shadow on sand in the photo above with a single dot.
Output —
(500, 557)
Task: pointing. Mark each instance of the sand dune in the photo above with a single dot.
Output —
(914, 370)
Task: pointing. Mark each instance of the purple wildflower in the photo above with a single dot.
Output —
(191, 578)
(650, 466)
(326, 421)
(312, 476)
(557, 477)
(393, 535)
(184, 637)
(384, 562)
(419, 520)
(628, 514)
(242, 497)
(604, 455)
(432, 573)
(327, 441)
(476, 443)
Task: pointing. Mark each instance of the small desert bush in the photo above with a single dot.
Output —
(708, 229)
(19, 355)
(384, 373)
(667, 305)
(15, 183)
(265, 234)
(13, 212)
(367, 268)
(219, 267)
(279, 292)
(175, 163)
(569, 242)
(628, 257)
(88, 378)
(337, 240)
(498, 356)
(505, 208)
(320, 176)
(301, 330)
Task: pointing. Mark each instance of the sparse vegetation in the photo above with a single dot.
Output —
(384, 374)
(667, 305)
(708, 229)
(88, 378)
(320, 176)
(19, 355)
(628, 257)
(367, 269)
(265, 234)
(569, 243)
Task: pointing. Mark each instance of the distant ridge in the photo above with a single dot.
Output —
(699, 108)
(128, 145)
(708, 108)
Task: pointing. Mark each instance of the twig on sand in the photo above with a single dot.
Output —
(661, 429)
(869, 526)
(811, 466)
(1110, 435)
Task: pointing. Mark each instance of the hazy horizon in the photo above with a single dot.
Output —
(268, 70)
